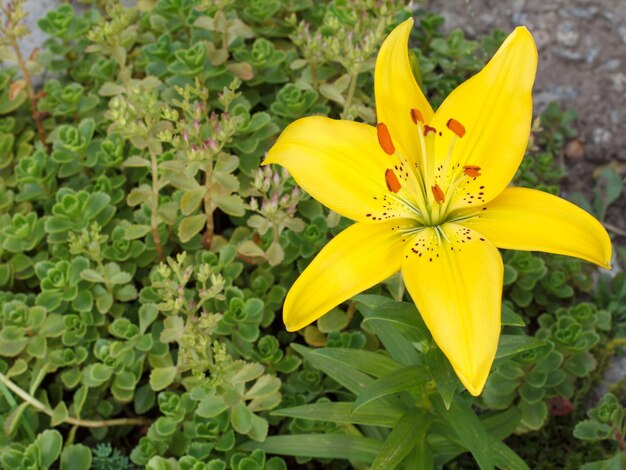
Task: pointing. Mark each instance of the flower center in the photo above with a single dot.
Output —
(430, 187)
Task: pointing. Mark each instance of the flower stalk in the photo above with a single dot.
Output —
(86, 423)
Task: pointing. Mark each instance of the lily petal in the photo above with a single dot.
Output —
(454, 276)
(495, 109)
(339, 163)
(397, 92)
(358, 258)
(527, 219)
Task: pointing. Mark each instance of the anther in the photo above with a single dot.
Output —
(384, 139)
(428, 129)
(416, 115)
(456, 127)
(438, 193)
(471, 170)
(392, 181)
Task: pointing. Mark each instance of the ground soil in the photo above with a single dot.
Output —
(582, 63)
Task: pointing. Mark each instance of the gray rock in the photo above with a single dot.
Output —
(622, 32)
(568, 54)
(610, 65)
(583, 13)
(566, 34)
(591, 54)
(600, 136)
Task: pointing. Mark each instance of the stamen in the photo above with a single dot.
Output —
(456, 127)
(471, 170)
(384, 139)
(392, 181)
(416, 115)
(428, 129)
(438, 193)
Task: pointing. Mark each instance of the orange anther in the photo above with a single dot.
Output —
(456, 127)
(438, 193)
(384, 139)
(471, 170)
(428, 129)
(416, 115)
(392, 181)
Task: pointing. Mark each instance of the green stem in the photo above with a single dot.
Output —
(154, 216)
(208, 208)
(351, 90)
(86, 423)
(30, 91)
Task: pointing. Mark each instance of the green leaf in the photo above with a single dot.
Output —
(135, 231)
(347, 376)
(510, 345)
(76, 457)
(510, 318)
(321, 446)
(443, 374)
(371, 363)
(190, 200)
(232, 205)
(410, 430)
(335, 320)
(468, 428)
(241, 418)
(139, 195)
(162, 377)
(505, 457)
(375, 414)
(395, 343)
(404, 317)
(211, 406)
(592, 430)
(93, 276)
(534, 415)
(59, 414)
(49, 443)
(402, 380)
(190, 226)
(136, 162)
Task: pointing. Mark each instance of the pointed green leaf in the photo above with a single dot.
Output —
(374, 414)
(510, 345)
(470, 431)
(321, 446)
(401, 380)
(443, 373)
(348, 376)
(410, 430)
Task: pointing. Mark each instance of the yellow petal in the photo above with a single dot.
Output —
(495, 108)
(356, 259)
(339, 163)
(397, 92)
(454, 276)
(527, 219)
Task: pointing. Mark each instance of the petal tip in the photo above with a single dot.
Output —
(474, 384)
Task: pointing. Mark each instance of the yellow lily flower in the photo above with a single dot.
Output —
(428, 191)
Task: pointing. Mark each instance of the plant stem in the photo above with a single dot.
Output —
(86, 423)
(207, 238)
(224, 33)
(351, 89)
(30, 91)
(154, 213)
